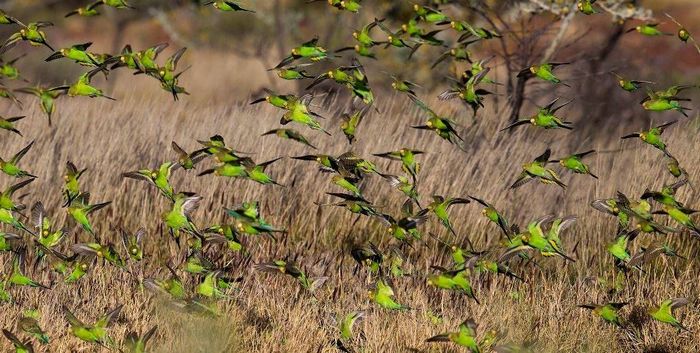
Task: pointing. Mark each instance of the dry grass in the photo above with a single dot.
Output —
(271, 313)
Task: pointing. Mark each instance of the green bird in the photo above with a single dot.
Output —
(226, 6)
(227, 169)
(166, 74)
(7, 240)
(326, 163)
(187, 160)
(545, 118)
(140, 60)
(403, 86)
(608, 311)
(536, 239)
(348, 184)
(173, 286)
(430, 14)
(17, 277)
(682, 216)
(683, 33)
(455, 280)
(80, 266)
(492, 214)
(82, 86)
(282, 101)
(256, 172)
(364, 41)
(29, 324)
(209, 287)
(458, 53)
(369, 256)
(619, 248)
(648, 29)
(106, 252)
(80, 208)
(10, 167)
(355, 204)
(300, 114)
(544, 72)
(133, 243)
(225, 233)
(86, 11)
(406, 227)
(71, 186)
(9, 70)
(309, 50)
(468, 92)
(31, 33)
(674, 167)
(6, 19)
(6, 93)
(394, 39)
(9, 124)
(77, 53)
(666, 196)
(406, 186)
(383, 295)
(47, 98)
(465, 337)
(442, 126)
(20, 347)
(93, 333)
(656, 104)
(290, 268)
(586, 7)
(347, 323)
(47, 236)
(537, 170)
(160, 178)
(345, 5)
(178, 219)
(575, 164)
(664, 313)
(407, 157)
(290, 135)
(652, 136)
(117, 4)
(293, 72)
(6, 201)
(137, 344)
(197, 263)
(629, 85)
(498, 267)
(469, 30)
(7, 217)
(441, 205)
(616, 207)
(351, 122)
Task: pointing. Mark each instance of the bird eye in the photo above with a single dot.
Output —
(134, 251)
(162, 72)
(83, 267)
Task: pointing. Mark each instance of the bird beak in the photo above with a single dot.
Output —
(630, 136)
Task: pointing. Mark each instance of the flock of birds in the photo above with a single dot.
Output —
(38, 239)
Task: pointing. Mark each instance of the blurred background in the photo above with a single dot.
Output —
(230, 52)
